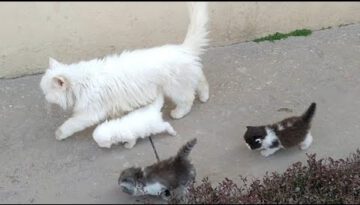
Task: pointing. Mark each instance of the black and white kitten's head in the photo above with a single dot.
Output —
(254, 136)
(130, 181)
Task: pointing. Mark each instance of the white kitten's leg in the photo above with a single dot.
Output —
(130, 144)
(77, 123)
(203, 89)
(169, 129)
(307, 142)
(268, 152)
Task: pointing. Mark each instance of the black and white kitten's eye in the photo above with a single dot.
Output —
(258, 141)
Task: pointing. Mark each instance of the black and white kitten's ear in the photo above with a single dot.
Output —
(60, 82)
(53, 63)
(249, 127)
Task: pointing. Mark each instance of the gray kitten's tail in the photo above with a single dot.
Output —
(185, 150)
(309, 113)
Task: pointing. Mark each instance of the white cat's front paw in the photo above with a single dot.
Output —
(60, 135)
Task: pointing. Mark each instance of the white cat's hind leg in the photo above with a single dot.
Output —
(183, 99)
(203, 89)
(307, 142)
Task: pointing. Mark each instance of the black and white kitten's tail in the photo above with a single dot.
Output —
(196, 38)
(309, 113)
(185, 150)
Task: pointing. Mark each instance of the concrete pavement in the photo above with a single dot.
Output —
(249, 83)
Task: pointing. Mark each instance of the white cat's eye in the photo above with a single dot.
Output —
(258, 140)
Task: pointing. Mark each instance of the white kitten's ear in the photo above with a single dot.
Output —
(53, 63)
(60, 82)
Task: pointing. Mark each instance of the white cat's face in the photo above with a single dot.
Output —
(56, 87)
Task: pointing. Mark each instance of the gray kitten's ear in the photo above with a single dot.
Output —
(53, 63)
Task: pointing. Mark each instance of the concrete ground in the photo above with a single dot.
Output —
(249, 83)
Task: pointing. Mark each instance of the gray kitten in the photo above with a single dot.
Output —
(287, 133)
(163, 178)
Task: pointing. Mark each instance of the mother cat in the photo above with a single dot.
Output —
(117, 84)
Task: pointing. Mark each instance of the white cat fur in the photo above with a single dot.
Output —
(140, 123)
(108, 87)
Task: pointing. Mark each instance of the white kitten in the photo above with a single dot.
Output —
(140, 123)
(108, 87)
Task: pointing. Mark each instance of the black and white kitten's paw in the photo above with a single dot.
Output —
(266, 153)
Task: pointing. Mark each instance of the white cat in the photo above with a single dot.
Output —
(140, 123)
(116, 84)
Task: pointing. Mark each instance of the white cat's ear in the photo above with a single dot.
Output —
(53, 63)
(60, 82)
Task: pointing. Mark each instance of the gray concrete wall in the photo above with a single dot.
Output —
(71, 31)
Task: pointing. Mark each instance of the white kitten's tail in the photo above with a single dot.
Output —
(196, 37)
(159, 102)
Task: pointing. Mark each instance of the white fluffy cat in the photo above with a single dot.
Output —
(108, 87)
(140, 123)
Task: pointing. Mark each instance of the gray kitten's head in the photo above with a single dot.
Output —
(131, 181)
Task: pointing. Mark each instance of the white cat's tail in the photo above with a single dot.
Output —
(196, 37)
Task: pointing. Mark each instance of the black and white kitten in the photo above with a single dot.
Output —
(287, 133)
(166, 177)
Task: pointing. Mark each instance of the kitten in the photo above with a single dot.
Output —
(120, 83)
(170, 176)
(140, 123)
(284, 134)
